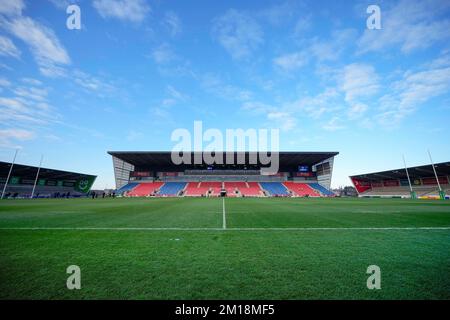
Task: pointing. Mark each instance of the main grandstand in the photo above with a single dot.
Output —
(300, 174)
(396, 183)
(50, 183)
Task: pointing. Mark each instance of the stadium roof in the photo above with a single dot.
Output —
(25, 171)
(442, 169)
(158, 158)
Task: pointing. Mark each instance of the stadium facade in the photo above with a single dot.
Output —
(153, 173)
(49, 182)
(396, 183)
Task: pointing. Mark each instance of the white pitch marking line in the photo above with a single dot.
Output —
(224, 216)
(227, 229)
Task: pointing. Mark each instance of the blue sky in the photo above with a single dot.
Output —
(137, 70)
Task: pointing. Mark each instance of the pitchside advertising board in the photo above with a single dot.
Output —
(404, 182)
(391, 183)
(82, 185)
(139, 174)
(424, 181)
(362, 185)
(430, 181)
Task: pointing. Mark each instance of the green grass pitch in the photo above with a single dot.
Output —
(179, 249)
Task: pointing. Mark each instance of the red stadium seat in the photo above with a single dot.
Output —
(232, 187)
(254, 189)
(145, 189)
(202, 188)
(301, 189)
(250, 189)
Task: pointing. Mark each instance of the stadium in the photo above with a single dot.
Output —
(36, 182)
(153, 174)
(424, 182)
(225, 232)
(238, 153)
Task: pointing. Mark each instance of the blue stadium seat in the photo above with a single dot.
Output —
(171, 188)
(129, 186)
(275, 188)
(321, 189)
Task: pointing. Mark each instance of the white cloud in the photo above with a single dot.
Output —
(283, 120)
(319, 50)
(17, 134)
(331, 49)
(256, 107)
(5, 67)
(358, 81)
(134, 135)
(125, 10)
(169, 63)
(51, 70)
(277, 117)
(355, 84)
(334, 124)
(357, 110)
(163, 116)
(62, 4)
(48, 52)
(43, 42)
(302, 24)
(413, 89)
(93, 84)
(8, 137)
(411, 25)
(421, 86)
(442, 61)
(238, 33)
(316, 106)
(214, 84)
(7, 48)
(32, 81)
(291, 61)
(172, 22)
(163, 54)
(25, 112)
(4, 82)
(356, 96)
(175, 94)
(53, 138)
(168, 102)
(33, 93)
(11, 7)
(280, 13)
(26, 106)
